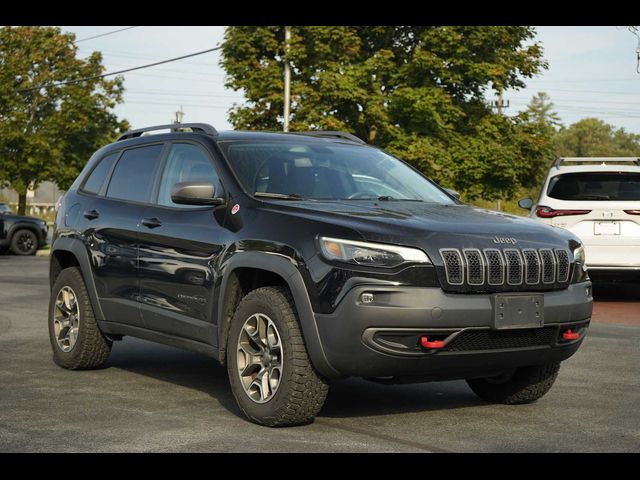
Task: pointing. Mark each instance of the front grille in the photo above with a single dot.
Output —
(455, 269)
(548, 266)
(502, 269)
(474, 340)
(495, 266)
(563, 265)
(475, 267)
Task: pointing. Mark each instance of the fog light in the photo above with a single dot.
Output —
(367, 298)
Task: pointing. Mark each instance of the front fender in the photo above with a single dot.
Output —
(288, 270)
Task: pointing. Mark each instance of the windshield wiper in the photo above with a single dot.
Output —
(279, 196)
(388, 198)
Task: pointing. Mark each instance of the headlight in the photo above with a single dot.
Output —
(370, 254)
(579, 257)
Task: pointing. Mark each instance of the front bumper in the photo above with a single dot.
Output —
(381, 338)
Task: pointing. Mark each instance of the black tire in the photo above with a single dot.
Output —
(24, 242)
(91, 348)
(525, 385)
(301, 391)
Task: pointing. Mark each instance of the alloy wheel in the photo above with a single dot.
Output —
(260, 355)
(66, 319)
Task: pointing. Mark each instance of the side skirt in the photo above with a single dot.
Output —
(114, 328)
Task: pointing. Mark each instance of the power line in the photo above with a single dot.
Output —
(104, 34)
(94, 77)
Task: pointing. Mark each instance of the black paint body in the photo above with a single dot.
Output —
(171, 283)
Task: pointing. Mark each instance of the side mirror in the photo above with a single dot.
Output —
(453, 193)
(195, 193)
(526, 203)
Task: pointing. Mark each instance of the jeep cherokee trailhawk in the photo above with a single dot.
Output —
(295, 259)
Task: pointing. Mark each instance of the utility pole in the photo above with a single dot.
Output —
(499, 105)
(287, 78)
(179, 115)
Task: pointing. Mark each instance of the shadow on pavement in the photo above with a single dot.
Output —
(176, 366)
(347, 398)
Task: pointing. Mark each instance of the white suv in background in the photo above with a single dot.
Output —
(598, 199)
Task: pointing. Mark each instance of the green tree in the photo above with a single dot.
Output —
(49, 133)
(418, 91)
(592, 137)
(541, 110)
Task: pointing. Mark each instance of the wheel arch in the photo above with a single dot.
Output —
(281, 270)
(70, 252)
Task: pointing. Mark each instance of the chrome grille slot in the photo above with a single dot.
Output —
(514, 266)
(453, 266)
(548, 265)
(493, 269)
(475, 266)
(531, 265)
(495, 266)
(562, 257)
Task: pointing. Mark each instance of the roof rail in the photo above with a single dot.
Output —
(174, 127)
(332, 134)
(602, 160)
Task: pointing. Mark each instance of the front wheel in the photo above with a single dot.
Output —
(523, 385)
(24, 242)
(270, 372)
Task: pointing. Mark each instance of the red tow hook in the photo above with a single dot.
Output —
(424, 341)
(569, 335)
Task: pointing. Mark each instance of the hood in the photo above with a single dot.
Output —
(431, 226)
(21, 218)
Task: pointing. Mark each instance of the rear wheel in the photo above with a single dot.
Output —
(270, 373)
(523, 385)
(24, 242)
(76, 339)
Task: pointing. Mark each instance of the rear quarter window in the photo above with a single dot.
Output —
(98, 175)
(609, 186)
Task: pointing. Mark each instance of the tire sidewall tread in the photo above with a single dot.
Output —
(92, 348)
(14, 238)
(302, 391)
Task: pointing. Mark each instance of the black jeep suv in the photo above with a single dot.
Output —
(300, 258)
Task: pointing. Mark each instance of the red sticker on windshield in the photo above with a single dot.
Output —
(235, 209)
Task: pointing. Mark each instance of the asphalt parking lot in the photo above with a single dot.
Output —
(155, 398)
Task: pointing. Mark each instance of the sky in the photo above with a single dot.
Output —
(592, 73)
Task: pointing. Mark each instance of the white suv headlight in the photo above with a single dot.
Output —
(370, 254)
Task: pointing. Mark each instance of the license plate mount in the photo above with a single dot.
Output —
(512, 311)
(606, 228)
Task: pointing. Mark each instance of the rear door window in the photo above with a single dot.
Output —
(134, 174)
(610, 186)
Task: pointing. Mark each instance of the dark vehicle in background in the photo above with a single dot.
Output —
(296, 259)
(20, 234)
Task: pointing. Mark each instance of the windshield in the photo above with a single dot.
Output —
(595, 186)
(329, 171)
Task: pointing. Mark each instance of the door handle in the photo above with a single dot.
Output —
(151, 222)
(91, 214)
